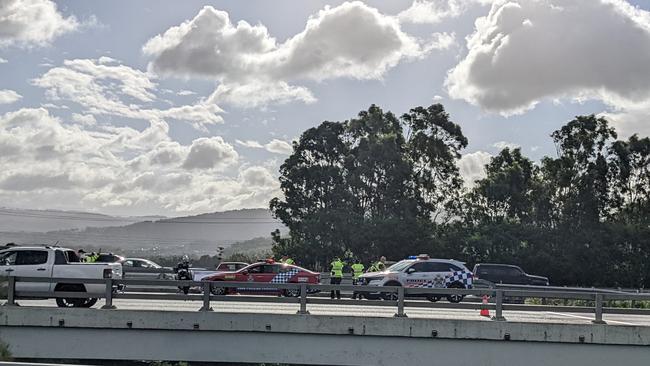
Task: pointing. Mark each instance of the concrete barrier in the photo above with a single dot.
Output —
(230, 337)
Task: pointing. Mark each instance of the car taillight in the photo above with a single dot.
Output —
(108, 273)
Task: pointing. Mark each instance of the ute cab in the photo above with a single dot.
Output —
(420, 272)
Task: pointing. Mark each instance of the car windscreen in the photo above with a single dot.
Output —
(400, 266)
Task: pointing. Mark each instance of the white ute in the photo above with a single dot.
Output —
(55, 262)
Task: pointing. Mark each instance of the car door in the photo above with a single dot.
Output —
(417, 275)
(438, 272)
(32, 263)
(516, 276)
(7, 263)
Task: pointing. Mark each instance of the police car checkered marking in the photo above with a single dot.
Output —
(460, 276)
(284, 277)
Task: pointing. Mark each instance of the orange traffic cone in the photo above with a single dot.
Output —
(484, 310)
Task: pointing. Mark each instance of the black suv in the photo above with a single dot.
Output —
(507, 274)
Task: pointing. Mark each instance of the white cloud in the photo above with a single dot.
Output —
(472, 166)
(630, 121)
(210, 153)
(9, 96)
(185, 92)
(274, 146)
(253, 95)
(3, 61)
(432, 11)
(351, 40)
(32, 22)
(526, 51)
(106, 87)
(84, 119)
(279, 147)
(250, 143)
(124, 170)
(257, 176)
(504, 144)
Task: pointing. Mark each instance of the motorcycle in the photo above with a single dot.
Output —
(183, 273)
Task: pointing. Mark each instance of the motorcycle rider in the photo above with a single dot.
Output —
(183, 272)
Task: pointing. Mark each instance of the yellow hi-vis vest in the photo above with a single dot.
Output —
(357, 270)
(337, 268)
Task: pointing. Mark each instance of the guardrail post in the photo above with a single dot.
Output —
(11, 291)
(400, 303)
(109, 295)
(599, 310)
(206, 297)
(303, 299)
(498, 314)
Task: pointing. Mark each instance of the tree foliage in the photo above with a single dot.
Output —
(381, 185)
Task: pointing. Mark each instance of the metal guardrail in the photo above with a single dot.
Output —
(301, 292)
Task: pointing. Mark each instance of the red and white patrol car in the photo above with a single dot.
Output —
(264, 272)
(421, 272)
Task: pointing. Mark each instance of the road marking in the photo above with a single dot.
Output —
(590, 318)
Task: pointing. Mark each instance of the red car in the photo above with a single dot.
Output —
(265, 272)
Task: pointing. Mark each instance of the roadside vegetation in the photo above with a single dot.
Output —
(380, 184)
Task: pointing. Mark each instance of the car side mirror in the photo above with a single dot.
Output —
(244, 272)
(410, 270)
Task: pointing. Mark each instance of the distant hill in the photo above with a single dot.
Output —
(13, 220)
(196, 235)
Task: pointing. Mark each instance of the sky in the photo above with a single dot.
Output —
(184, 107)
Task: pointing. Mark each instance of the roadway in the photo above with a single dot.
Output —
(361, 311)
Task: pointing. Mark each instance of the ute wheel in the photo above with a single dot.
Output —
(218, 291)
(455, 298)
(371, 296)
(72, 302)
(433, 298)
(89, 303)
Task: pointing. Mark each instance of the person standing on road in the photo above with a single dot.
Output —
(286, 260)
(357, 271)
(378, 266)
(336, 275)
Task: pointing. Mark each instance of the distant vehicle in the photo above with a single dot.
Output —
(55, 262)
(265, 272)
(144, 268)
(420, 272)
(231, 266)
(486, 274)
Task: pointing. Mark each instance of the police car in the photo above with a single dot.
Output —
(420, 272)
(267, 271)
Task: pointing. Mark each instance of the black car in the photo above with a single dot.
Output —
(506, 274)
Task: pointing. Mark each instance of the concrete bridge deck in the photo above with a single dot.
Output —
(277, 334)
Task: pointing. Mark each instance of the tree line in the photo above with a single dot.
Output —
(379, 184)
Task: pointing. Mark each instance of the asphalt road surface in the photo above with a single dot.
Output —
(359, 310)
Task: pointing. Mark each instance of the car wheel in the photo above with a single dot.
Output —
(218, 291)
(292, 292)
(390, 296)
(455, 298)
(71, 302)
(433, 298)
